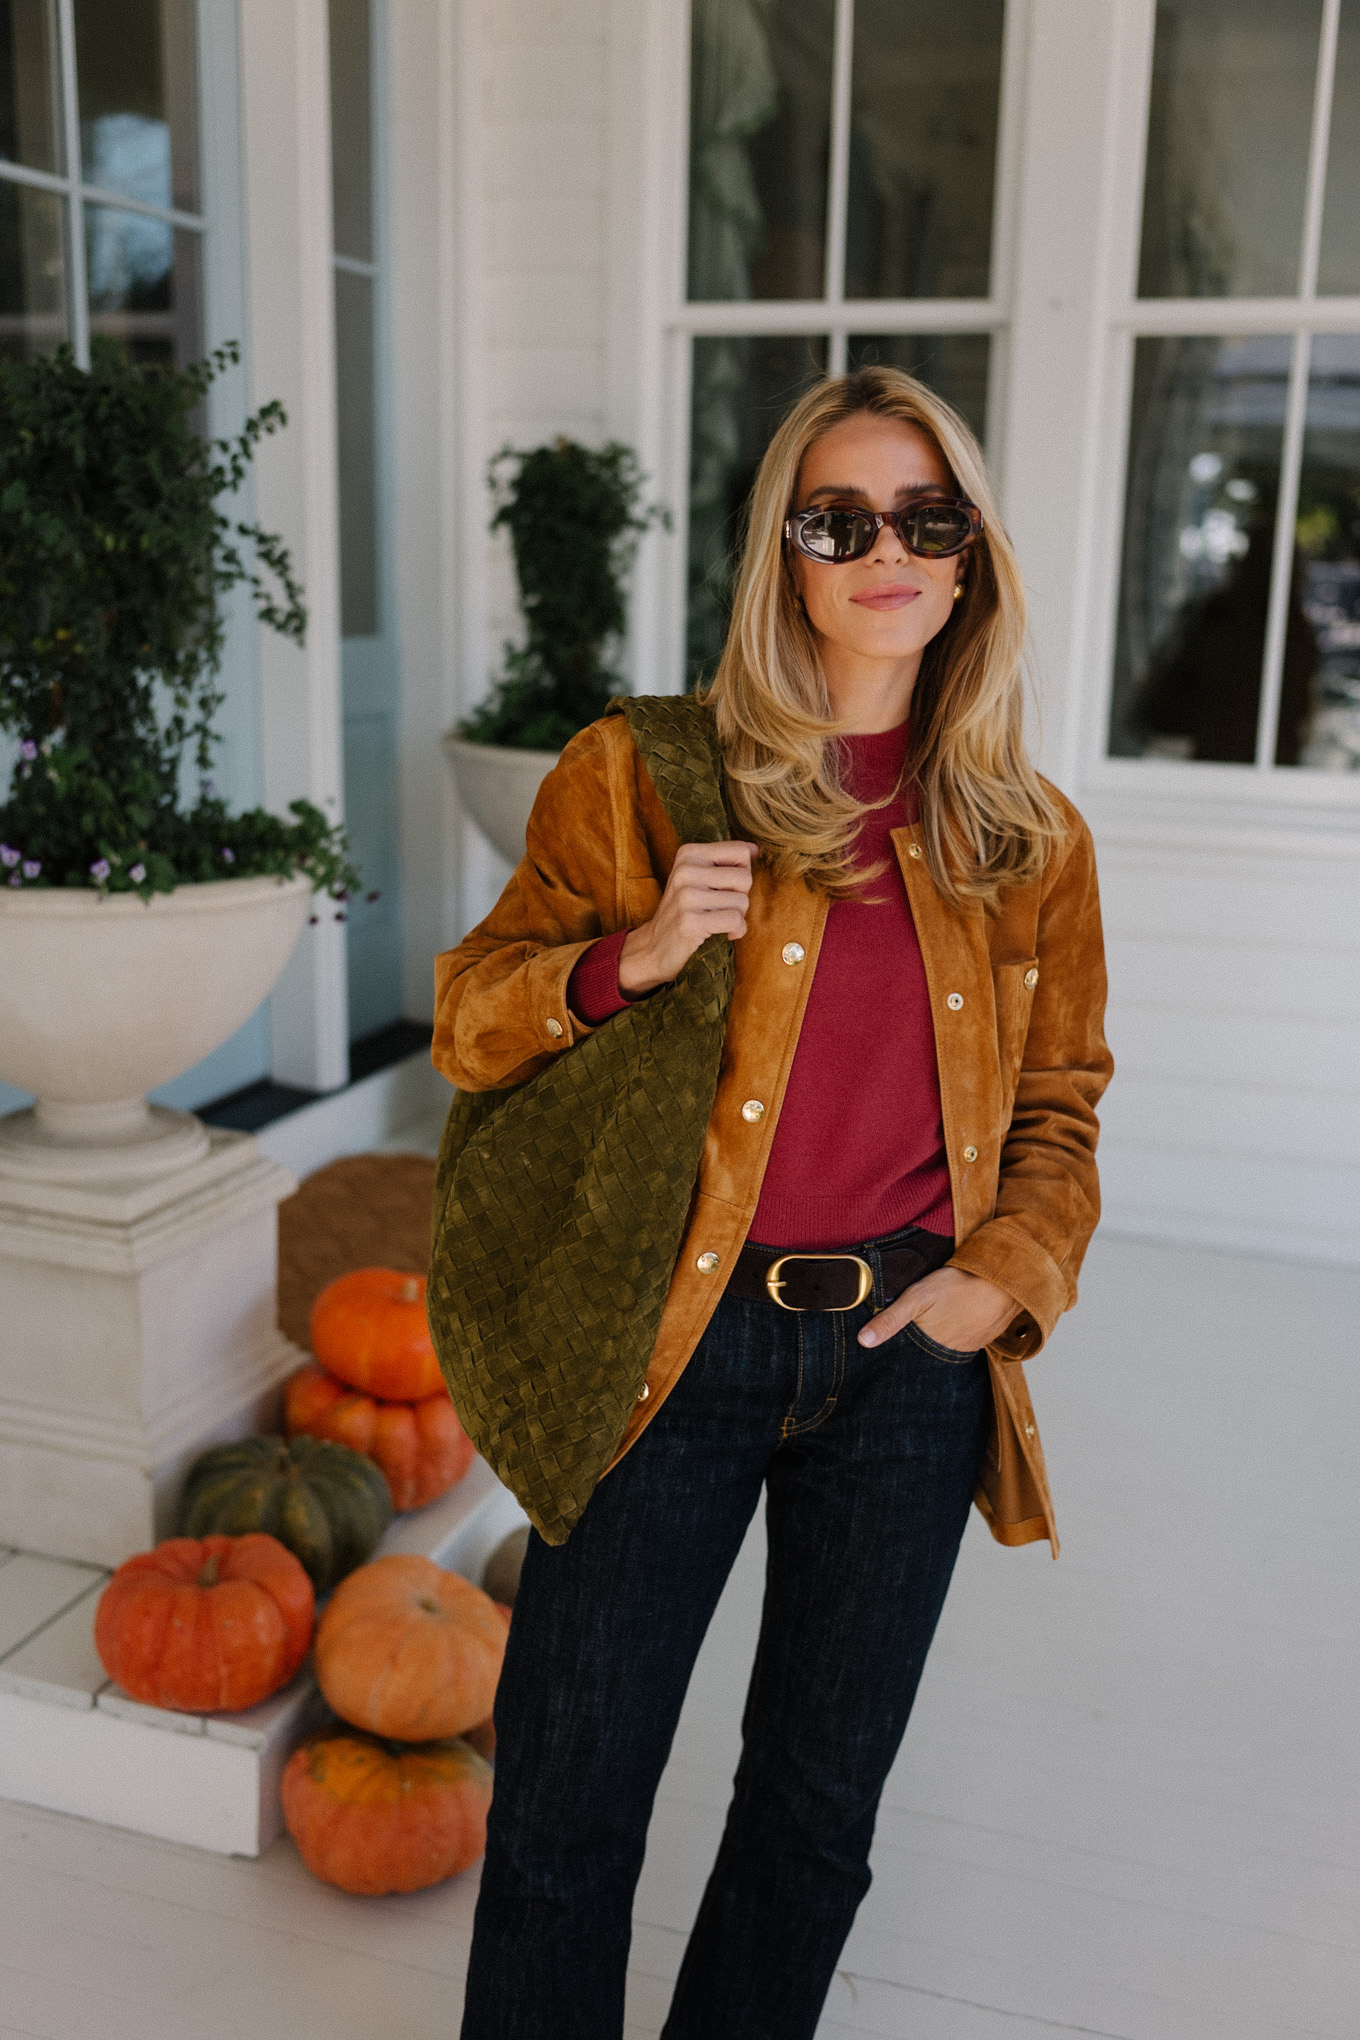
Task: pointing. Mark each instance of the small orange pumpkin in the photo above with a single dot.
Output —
(420, 1446)
(369, 1329)
(206, 1623)
(405, 1649)
(374, 1816)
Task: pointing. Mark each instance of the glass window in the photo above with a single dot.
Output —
(1339, 259)
(954, 364)
(1229, 126)
(1325, 597)
(352, 124)
(1199, 528)
(32, 272)
(741, 390)
(137, 76)
(29, 126)
(354, 380)
(925, 96)
(134, 66)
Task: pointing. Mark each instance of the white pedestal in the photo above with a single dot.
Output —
(137, 1324)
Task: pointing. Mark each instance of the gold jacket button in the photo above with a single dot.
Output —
(707, 1264)
(555, 1029)
(643, 1392)
(913, 849)
(970, 1154)
(793, 952)
(954, 1001)
(752, 1110)
(1031, 979)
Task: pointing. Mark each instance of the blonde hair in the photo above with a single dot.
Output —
(987, 820)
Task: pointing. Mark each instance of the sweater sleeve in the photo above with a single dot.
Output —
(593, 987)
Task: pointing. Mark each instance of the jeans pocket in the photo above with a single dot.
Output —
(939, 1352)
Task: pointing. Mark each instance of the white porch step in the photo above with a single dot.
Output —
(72, 1741)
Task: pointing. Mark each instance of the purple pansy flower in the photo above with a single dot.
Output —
(9, 858)
(137, 873)
(228, 856)
(15, 878)
(32, 867)
(28, 749)
(99, 870)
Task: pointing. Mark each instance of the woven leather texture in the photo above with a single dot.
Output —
(560, 1205)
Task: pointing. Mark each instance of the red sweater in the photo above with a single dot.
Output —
(859, 1148)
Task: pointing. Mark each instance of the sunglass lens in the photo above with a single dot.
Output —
(935, 529)
(837, 535)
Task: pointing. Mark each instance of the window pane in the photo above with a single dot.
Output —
(145, 284)
(926, 89)
(351, 129)
(1322, 728)
(760, 137)
(742, 388)
(354, 372)
(136, 64)
(1199, 526)
(1339, 257)
(1228, 136)
(32, 272)
(954, 364)
(28, 84)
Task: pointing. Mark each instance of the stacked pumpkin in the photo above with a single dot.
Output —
(395, 1796)
(376, 1385)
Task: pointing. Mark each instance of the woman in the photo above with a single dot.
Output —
(896, 1187)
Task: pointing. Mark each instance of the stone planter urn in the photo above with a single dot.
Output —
(497, 786)
(138, 1248)
(102, 998)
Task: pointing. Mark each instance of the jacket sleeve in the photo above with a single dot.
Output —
(501, 1010)
(1048, 1196)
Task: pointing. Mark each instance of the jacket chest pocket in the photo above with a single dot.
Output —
(1013, 989)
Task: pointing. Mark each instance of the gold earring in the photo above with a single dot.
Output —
(958, 591)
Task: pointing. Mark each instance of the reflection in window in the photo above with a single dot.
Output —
(953, 364)
(1327, 561)
(28, 84)
(741, 390)
(1228, 137)
(145, 284)
(1199, 527)
(760, 134)
(924, 103)
(1339, 255)
(137, 72)
(32, 272)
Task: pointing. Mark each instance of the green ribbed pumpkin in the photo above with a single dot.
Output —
(328, 1505)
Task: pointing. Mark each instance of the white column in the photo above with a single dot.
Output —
(290, 354)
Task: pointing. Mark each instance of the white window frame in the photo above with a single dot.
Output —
(832, 315)
(1262, 785)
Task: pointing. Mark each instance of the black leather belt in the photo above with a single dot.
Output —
(798, 1281)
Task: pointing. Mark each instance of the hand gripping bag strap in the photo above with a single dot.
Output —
(560, 1205)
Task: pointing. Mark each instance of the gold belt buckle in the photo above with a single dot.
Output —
(773, 1283)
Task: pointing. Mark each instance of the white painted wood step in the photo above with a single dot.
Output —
(72, 1741)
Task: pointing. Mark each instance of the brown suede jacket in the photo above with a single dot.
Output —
(1018, 1000)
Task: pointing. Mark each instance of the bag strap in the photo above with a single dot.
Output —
(677, 740)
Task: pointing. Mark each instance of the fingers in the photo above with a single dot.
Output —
(900, 1313)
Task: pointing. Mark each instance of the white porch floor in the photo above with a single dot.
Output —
(1129, 1803)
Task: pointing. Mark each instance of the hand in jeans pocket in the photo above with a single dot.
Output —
(957, 1313)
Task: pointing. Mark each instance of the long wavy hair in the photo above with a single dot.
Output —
(987, 820)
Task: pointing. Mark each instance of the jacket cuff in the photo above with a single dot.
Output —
(593, 988)
(1003, 1252)
(554, 1024)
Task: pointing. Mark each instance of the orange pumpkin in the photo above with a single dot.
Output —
(405, 1649)
(369, 1329)
(420, 1446)
(376, 1816)
(203, 1623)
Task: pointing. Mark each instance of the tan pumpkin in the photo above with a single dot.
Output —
(373, 1816)
(407, 1650)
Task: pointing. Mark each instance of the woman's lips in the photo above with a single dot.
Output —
(886, 598)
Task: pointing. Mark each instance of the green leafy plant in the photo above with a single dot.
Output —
(574, 517)
(115, 557)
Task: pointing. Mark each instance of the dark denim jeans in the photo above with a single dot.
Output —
(869, 1458)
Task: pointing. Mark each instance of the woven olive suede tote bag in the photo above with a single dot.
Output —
(560, 1205)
